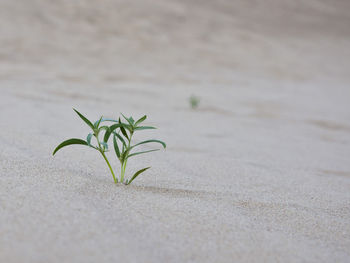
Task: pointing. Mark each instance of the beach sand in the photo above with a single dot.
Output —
(260, 172)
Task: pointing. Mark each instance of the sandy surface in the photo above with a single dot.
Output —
(259, 173)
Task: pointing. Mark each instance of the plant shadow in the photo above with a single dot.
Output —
(174, 192)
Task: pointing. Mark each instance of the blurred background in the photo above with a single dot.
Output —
(175, 41)
(250, 59)
(237, 48)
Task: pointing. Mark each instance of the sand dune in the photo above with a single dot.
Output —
(258, 173)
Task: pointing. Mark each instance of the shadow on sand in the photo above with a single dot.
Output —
(175, 192)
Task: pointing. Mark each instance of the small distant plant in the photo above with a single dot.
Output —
(194, 101)
(122, 133)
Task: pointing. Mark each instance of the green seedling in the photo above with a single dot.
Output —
(101, 146)
(122, 134)
(122, 142)
(194, 102)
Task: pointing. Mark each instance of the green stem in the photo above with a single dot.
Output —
(110, 167)
(123, 165)
(104, 157)
(123, 168)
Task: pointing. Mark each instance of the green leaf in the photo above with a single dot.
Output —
(137, 153)
(129, 120)
(85, 119)
(123, 155)
(123, 149)
(88, 139)
(124, 132)
(121, 139)
(97, 123)
(107, 119)
(116, 148)
(144, 128)
(140, 120)
(110, 130)
(105, 145)
(69, 142)
(148, 141)
(137, 174)
(103, 128)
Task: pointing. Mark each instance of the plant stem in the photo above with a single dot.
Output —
(122, 171)
(123, 168)
(104, 156)
(123, 165)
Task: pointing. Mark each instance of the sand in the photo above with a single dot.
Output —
(260, 172)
